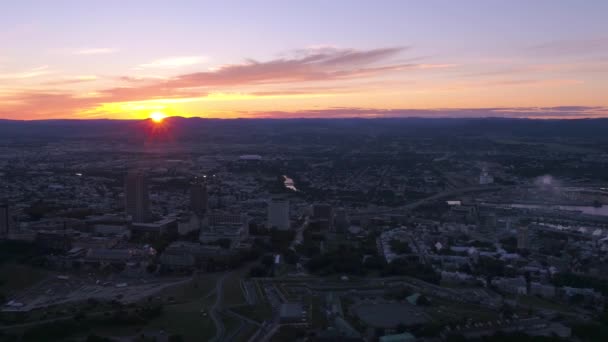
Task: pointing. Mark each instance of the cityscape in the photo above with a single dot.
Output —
(318, 171)
(292, 231)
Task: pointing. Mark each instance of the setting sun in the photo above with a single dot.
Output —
(157, 117)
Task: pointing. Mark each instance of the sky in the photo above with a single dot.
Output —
(226, 59)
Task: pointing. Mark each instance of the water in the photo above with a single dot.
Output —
(589, 210)
(289, 183)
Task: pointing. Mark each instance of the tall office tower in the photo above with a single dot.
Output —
(199, 199)
(5, 221)
(137, 202)
(523, 238)
(488, 226)
(278, 213)
(324, 215)
(341, 222)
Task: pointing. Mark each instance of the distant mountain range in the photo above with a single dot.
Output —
(178, 128)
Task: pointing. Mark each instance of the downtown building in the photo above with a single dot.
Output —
(137, 200)
(278, 213)
(199, 198)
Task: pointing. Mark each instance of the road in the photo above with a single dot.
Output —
(432, 198)
(299, 236)
(220, 330)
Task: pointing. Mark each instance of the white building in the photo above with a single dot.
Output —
(218, 226)
(278, 213)
(485, 177)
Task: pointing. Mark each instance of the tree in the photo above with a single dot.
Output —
(268, 260)
(257, 271)
(151, 268)
(224, 243)
(176, 338)
(291, 257)
(423, 301)
(96, 338)
(374, 262)
(400, 247)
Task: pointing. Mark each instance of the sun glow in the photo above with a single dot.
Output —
(157, 117)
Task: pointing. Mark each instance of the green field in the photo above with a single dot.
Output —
(199, 286)
(187, 320)
(540, 303)
(448, 311)
(318, 318)
(233, 293)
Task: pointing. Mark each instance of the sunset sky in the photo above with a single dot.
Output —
(127, 59)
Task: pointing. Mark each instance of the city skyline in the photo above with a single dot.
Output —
(68, 60)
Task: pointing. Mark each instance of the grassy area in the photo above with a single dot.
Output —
(536, 302)
(189, 316)
(14, 277)
(446, 311)
(198, 287)
(318, 319)
(231, 324)
(187, 319)
(233, 293)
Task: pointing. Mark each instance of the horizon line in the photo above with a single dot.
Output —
(319, 118)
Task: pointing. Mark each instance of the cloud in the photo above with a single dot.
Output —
(315, 65)
(564, 112)
(174, 62)
(41, 105)
(31, 73)
(308, 66)
(509, 83)
(73, 80)
(325, 65)
(95, 51)
(571, 47)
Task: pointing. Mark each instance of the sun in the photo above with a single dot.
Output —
(157, 117)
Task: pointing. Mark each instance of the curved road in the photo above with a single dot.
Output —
(220, 330)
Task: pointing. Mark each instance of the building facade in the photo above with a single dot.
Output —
(137, 201)
(278, 214)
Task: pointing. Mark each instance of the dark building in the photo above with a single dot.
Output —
(198, 197)
(152, 230)
(54, 240)
(5, 220)
(136, 196)
(323, 215)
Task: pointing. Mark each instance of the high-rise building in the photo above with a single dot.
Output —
(341, 222)
(324, 215)
(137, 201)
(278, 213)
(6, 220)
(523, 238)
(199, 199)
(488, 226)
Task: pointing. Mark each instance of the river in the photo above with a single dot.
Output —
(289, 183)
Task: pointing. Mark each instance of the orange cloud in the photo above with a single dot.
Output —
(316, 65)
